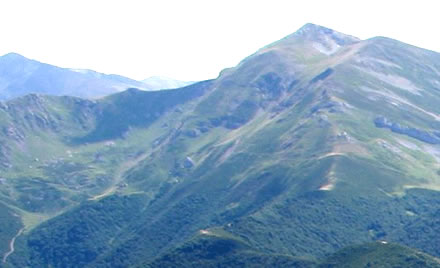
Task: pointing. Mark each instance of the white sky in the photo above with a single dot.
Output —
(191, 39)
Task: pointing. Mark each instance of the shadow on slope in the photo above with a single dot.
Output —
(135, 108)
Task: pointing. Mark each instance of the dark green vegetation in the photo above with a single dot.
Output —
(223, 252)
(280, 161)
(379, 255)
(212, 249)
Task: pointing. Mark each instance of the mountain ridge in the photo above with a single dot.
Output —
(20, 76)
(284, 152)
(162, 82)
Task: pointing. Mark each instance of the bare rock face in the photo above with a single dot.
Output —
(325, 40)
(188, 163)
(13, 133)
(421, 135)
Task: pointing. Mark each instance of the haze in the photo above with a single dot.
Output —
(192, 40)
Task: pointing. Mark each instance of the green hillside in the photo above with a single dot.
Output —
(379, 255)
(214, 248)
(316, 142)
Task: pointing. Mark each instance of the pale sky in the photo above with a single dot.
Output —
(193, 39)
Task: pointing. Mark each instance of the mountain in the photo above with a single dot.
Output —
(161, 82)
(20, 76)
(314, 143)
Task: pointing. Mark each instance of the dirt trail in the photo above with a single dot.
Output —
(11, 245)
(119, 175)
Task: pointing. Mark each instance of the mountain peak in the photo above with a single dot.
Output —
(325, 40)
(20, 76)
(314, 31)
(311, 27)
(12, 56)
(322, 39)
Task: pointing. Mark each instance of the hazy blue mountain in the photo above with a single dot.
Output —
(161, 82)
(20, 76)
(315, 143)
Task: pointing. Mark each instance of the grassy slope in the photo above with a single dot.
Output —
(284, 156)
(51, 171)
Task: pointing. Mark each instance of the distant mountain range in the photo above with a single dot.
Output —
(20, 76)
(318, 150)
(161, 82)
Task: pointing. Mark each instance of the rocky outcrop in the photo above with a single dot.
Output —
(327, 103)
(271, 85)
(322, 75)
(241, 115)
(421, 135)
(188, 163)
